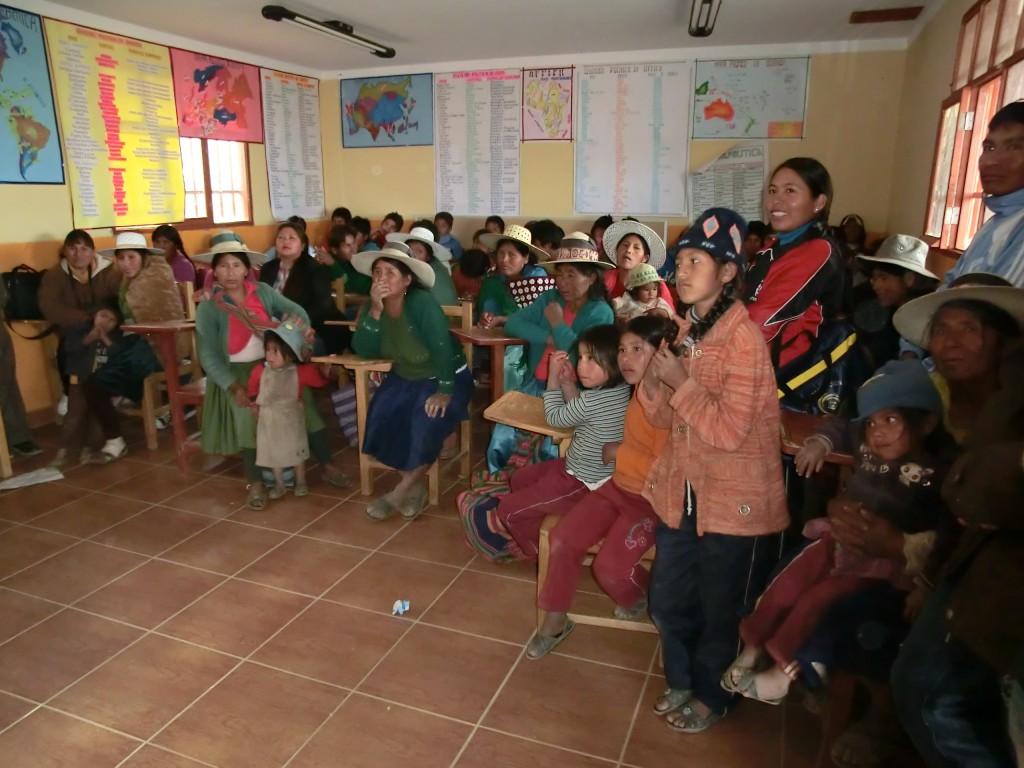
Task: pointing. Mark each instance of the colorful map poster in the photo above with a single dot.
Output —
(750, 99)
(115, 99)
(392, 111)
(29, 148)
(291, 125)
(216, 98)
(547, 104)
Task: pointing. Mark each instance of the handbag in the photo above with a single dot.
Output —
(824, 380)
(22, 287)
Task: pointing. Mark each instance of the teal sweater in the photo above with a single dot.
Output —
(212, 332)
(444, 288)
(427, 325)
(530, 325)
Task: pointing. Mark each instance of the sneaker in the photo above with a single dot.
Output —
(163, 421)
(62, 406)
(27, 448)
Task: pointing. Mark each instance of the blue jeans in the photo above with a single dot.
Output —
(947, 698)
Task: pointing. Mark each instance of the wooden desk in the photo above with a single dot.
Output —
(497, 340)
(526, 412)
(797, 427)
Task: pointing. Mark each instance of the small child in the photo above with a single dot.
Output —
(479, 244)
(902, 461)
(443, 223)
(276, 389)
(468, 274)
(642, 296)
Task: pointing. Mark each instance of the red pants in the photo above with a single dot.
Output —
(538, 490)
(626, 523)
(793, 604)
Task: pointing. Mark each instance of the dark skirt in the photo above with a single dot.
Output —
(399, 434)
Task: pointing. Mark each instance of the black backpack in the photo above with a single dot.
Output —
(21, 285)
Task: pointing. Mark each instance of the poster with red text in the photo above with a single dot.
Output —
(216, 98)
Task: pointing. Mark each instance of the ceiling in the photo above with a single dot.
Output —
(438, 31)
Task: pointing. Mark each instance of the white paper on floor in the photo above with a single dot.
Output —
(45, 475)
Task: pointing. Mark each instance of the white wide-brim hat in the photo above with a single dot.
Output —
(615, 232)
(363, 262)
(576, 248)
(903, 251)
(130, 241)
(517, 233)
(913, 320)
(422, 235)
(229, 242)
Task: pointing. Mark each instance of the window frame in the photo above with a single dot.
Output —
(207, 222)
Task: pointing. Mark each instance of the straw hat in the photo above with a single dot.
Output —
(620, 229)
(130, 241)
(363, 262)
(914, 318)
(902, 251)
(642, 274)
(425, 236)
(227, 241)
(517, 233)
(576, 248)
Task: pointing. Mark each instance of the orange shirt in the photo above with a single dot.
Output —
(642, 443)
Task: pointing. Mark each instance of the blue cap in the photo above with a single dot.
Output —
(898, 384)
(719, 232)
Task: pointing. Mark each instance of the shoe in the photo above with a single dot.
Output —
(744, 682)
(686, 720)
(301, 489)
(380, 509)
(413, 505)
(163, 421)
(671, 700)
(62, 406)
(338, 479)
(542, 645)
(635, 612)
(26, 448)
(257, 497)
(60, 460)
(276, 492)
(111, 451)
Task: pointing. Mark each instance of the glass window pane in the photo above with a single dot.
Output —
(1013, 90)
(944, 163)
(1007, 39)
(192, 174)
(228, 181)
(963, 62)
(986, 39)
(971, 208)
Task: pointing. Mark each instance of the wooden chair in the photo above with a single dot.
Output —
(6, 470)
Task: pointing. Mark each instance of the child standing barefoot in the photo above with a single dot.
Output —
(276, 387)
(717, 485)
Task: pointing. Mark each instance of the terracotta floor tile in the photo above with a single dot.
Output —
(225, 547)
(504, 609)
(376, 734)
(74, 573)
(22, 547)
(333, 643)
(154, 530)
(155, 485)
(499, 750)
(318, 485)
(436, 539)
(24, 504)
(382, 579)
(89, 515)
(12, 709)
(304, 565)
(513, 569)
(51, 655)
(213, 497)
(154, 757)
(150, 594)
(154, 679)
(801, 736)
(236, 617)
(288, 513)
(348, 524)
(47, 739)
(568, 703)
(19, 612)
(255, 717)
(97, 478)
(441, 671)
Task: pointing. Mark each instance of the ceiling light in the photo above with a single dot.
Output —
(336, 29)
(703, 14)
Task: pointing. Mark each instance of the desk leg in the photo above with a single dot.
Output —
(169, 359)
(497, 371)
(362, 405)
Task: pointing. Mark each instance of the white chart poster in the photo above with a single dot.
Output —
(477, 134)
(735, 179)
(632, 151)
(750, 99)
(291, 130)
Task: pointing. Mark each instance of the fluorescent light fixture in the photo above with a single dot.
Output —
(336, 29)
(703, 14)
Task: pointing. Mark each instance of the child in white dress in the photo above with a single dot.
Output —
(642, 296)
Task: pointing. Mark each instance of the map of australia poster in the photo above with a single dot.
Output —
(216, 98)
(391, 111)
(750, 99)
(29, 146)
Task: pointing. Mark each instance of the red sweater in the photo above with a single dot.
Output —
(309, 376)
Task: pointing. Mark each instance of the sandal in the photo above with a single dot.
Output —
(413, 505)
(380, 509)
(301, 489)
(672, 700)
(686, 720)
(734, 675)
(542, 645)
(276, 492)
(338, 478)
(746, 686)
(257, 498)
(635, 612)
(106, 456)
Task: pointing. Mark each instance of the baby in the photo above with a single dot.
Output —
(641, 296)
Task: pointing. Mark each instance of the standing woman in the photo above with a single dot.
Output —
(426, 393)
(628, 243)
(167, 239)
(421, 245)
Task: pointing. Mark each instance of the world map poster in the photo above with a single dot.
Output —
(29, 146)
(391, 111)
(216, 98)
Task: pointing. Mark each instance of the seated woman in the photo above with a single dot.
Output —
(628, 243)
(167, 239)
(427, 391)
(421, 245)
(230, 326)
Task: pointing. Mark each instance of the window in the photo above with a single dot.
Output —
(216, 177)
(988, 74)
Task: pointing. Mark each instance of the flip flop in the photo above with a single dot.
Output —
(412, 506)
(380, 509)
(339, 479)
(746, 686)
(688, 721)
(671, 700)
(542, 645)
(105, 457)
(257, 498)
(735, 674)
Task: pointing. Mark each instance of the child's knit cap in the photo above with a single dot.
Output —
(720, 233)
(642, 274)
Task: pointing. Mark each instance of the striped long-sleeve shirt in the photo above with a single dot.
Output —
(598, 416)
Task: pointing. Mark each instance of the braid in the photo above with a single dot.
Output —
(726, 299)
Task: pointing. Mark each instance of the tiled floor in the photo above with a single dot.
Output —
(147, 619)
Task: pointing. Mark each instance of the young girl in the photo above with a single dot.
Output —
(615, 512)
(717, 485)
(901, 464)
(276, 389)
(642, 296)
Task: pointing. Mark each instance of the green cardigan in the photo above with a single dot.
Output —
(444, 288)
(428, 325)
(212, 332)
(530, 325)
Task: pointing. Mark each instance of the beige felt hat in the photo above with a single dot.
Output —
(130, 241)
(229, 242)
(902, 251)
(576, 248)
(620, 229)
(517, 233)
(425, 236)
(363, 262)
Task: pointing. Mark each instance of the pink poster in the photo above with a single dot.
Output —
(216, 98)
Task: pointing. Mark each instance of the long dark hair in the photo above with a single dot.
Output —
(172, 234)
(815, 176)
(731, 291)
(301, 270)
(653, 329)
(603, 341)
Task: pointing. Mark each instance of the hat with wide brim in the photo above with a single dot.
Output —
(293, 332)
(576, 248)
(130, 241)
(422, 235)
(914, 318)
(363, 262)
(229, 242)
(620, 229)
(518, 234)
(902, 251)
